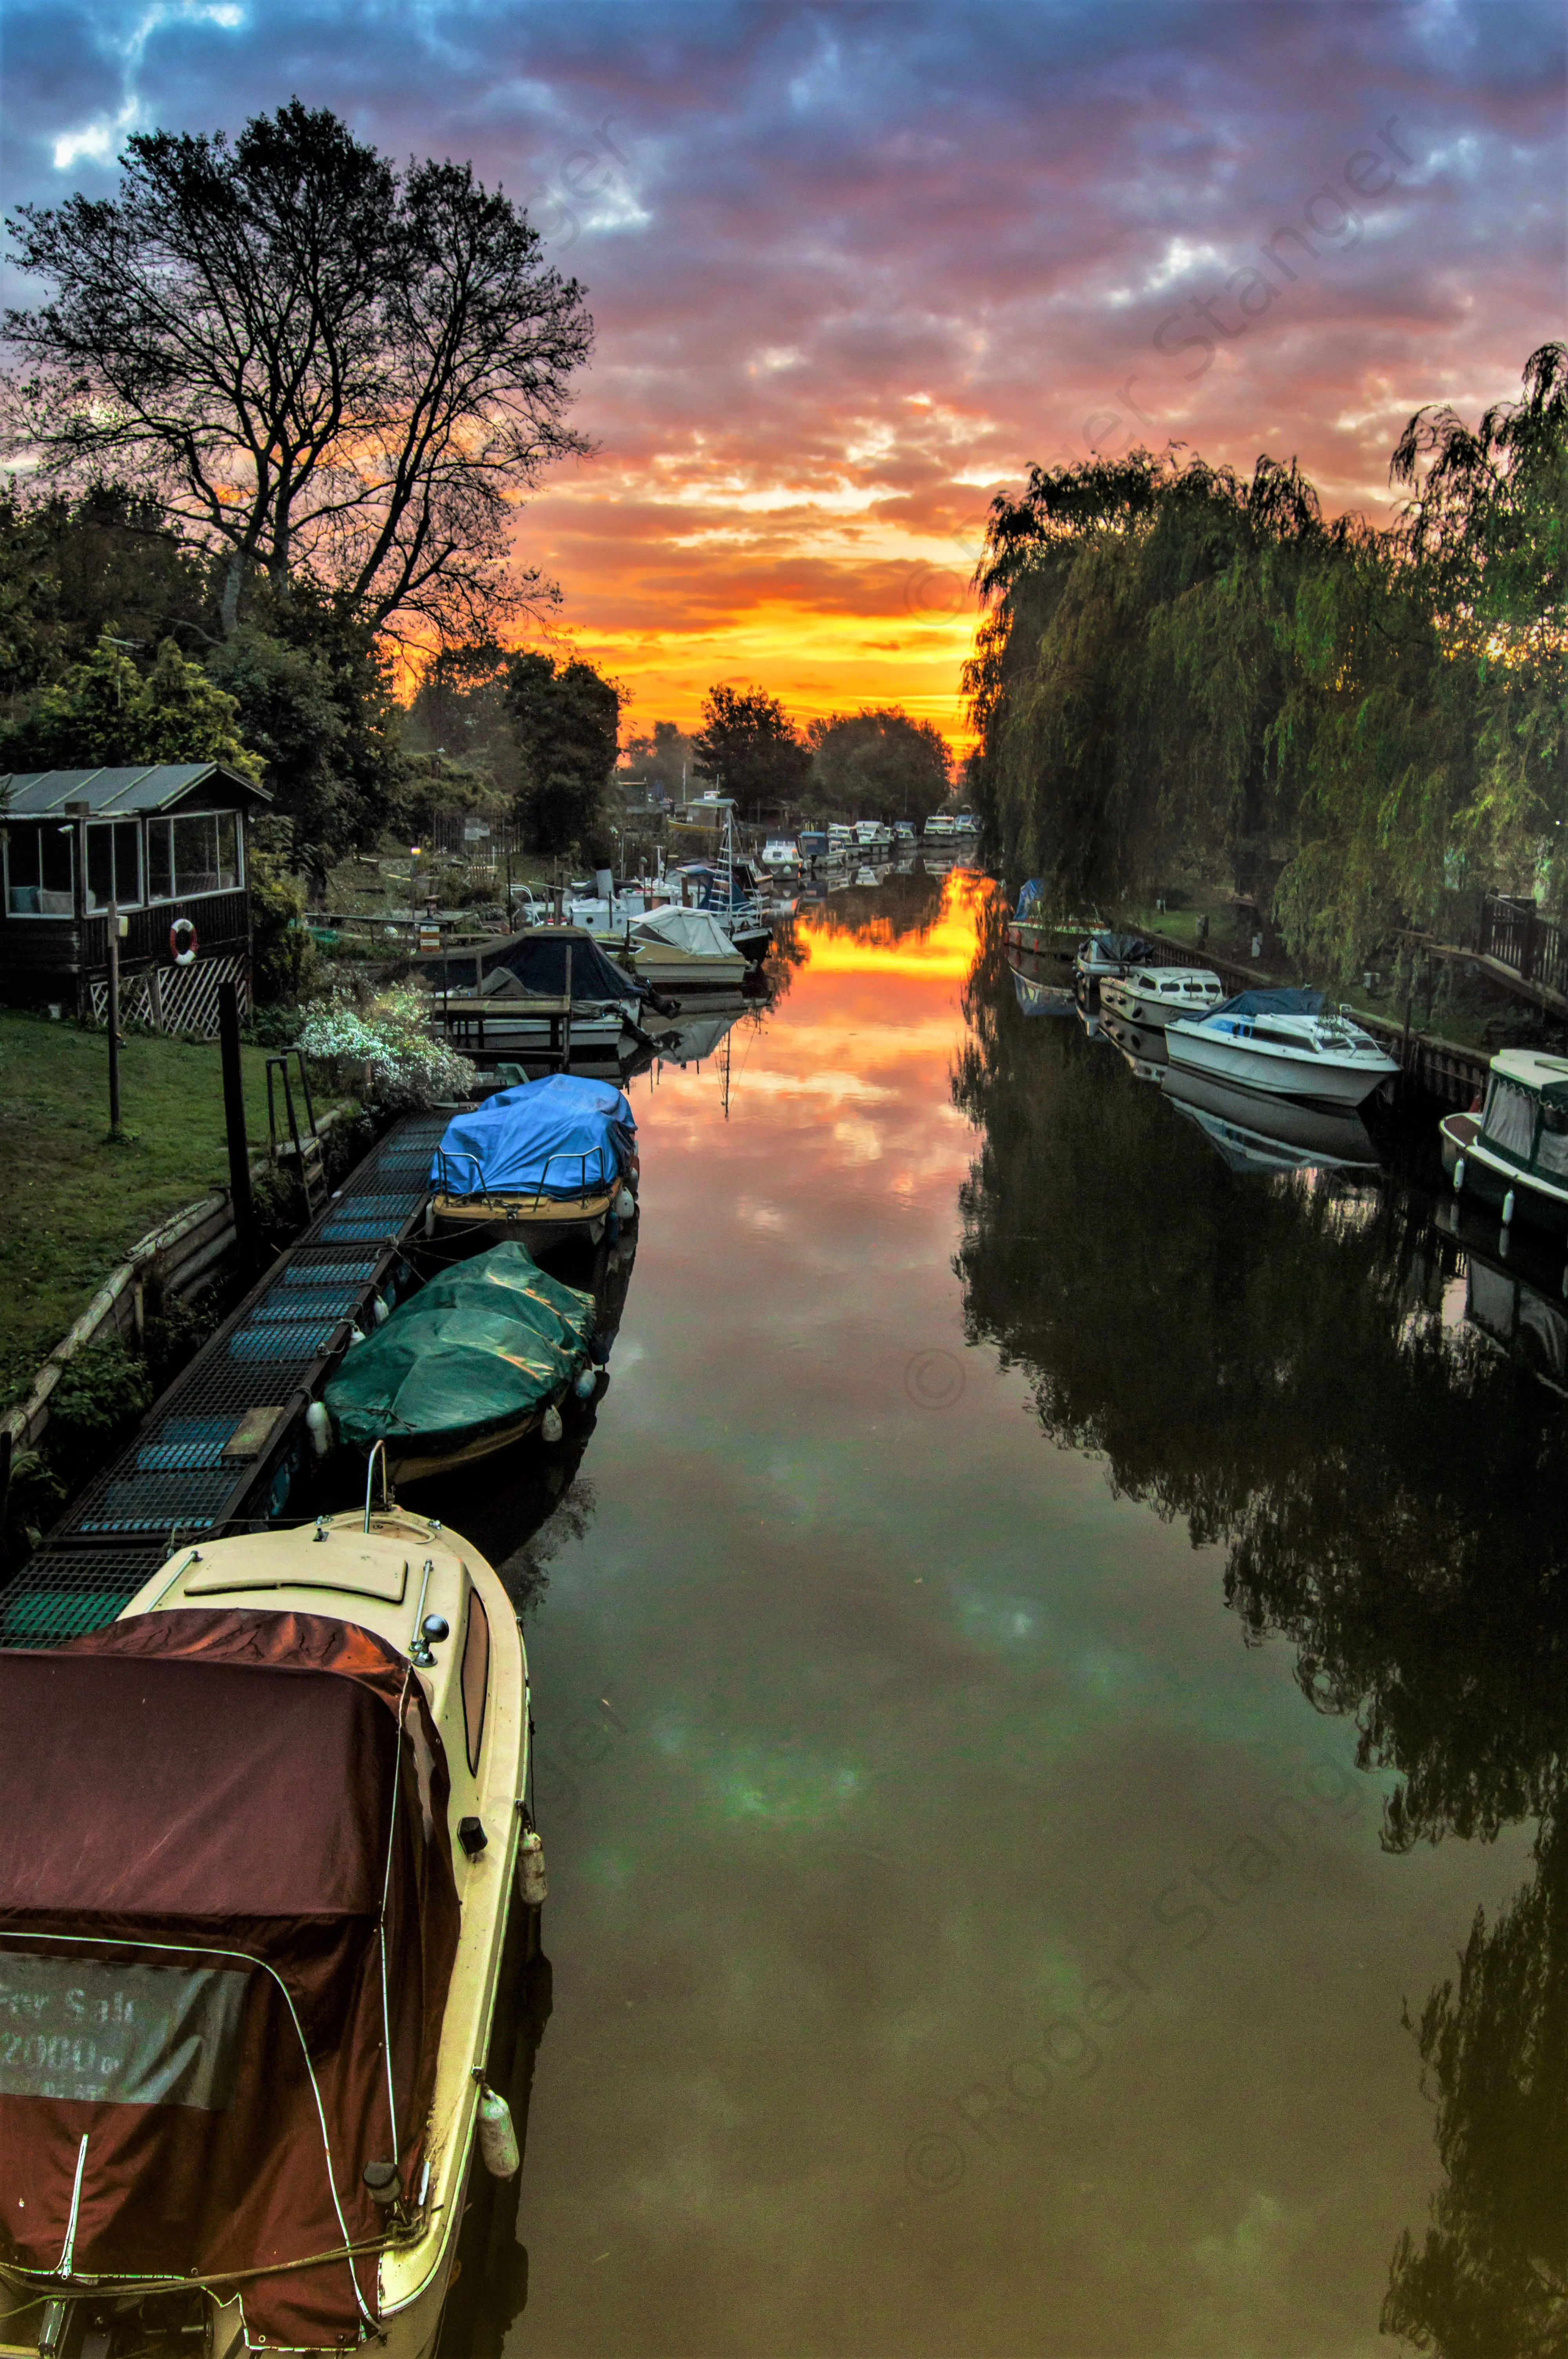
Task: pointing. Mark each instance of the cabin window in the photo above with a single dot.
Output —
(114, 863)
(1552, 1146)
(1509, 1118)
(476, 1677)
(197, 852)
(40, 869)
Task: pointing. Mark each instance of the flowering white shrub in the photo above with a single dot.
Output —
(404, 1067)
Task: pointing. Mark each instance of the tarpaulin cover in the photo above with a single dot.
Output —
(538, 961)
(687, 929)
(1284, 999)
(488, 1343)
(1031, 892)
(201, 1812)
(563, 1135)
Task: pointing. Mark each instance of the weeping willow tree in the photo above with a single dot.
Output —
(1178, 665)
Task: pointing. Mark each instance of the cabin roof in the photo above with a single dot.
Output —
(118, 793)
(1532, 1068)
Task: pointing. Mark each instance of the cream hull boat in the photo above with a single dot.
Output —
(388, 1575)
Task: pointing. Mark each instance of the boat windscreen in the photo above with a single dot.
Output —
(1276, 1000)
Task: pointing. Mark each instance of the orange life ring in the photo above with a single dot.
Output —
(182, 943)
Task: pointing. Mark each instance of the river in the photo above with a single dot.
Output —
(1049, 1647)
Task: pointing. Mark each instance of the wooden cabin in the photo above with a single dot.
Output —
(167, 847)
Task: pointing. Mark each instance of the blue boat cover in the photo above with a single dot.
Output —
(1030, 893)
(559, 1137)
(1283, 999)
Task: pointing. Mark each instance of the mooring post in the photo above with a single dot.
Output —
(234, 1118)
(113, 1019)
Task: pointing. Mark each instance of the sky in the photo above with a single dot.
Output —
(853, 270)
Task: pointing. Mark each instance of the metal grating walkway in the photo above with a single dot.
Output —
(180, 1475)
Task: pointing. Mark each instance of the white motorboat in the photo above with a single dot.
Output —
(781, 856)
(1152, 995)
(1285, 1043)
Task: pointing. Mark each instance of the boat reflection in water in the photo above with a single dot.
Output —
(1041, 998)
(1257, 1133)
(1513, 1296)
(1142, 1051)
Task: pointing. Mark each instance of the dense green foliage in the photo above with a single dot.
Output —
(567, 718)
(1181, 667)
(878, 763)
(663, 758)
(102, 712)
(749, 748)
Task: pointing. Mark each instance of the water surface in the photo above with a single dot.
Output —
(1048, 1647)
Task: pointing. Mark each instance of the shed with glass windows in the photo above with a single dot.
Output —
(165, 848)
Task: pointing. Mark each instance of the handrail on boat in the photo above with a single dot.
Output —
(378, 1450)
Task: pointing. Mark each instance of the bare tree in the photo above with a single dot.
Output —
(325, 369)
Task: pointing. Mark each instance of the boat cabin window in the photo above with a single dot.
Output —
(476, 1677)
(1508, 1121)
(40, 869)
(1552, 1146)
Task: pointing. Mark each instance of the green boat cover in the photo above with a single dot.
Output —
(493, 1339)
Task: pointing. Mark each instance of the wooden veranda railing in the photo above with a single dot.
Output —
(1517, 935)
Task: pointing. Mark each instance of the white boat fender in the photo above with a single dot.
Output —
(382, 1308)
(430, 1217)
(497, 2137)
(1509, 1209)
(583, 1384)
(625, 1205)
(356, 1335)
(1459, 1175)
(318, 1424)
(552, 1428)
(532, 1882)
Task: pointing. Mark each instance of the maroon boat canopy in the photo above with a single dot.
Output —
(213, 1826)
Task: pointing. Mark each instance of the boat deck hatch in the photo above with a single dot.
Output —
(352, 1572)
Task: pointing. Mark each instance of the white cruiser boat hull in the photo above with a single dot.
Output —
(1323, 1078)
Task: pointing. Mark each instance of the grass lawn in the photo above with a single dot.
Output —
(73, 1203)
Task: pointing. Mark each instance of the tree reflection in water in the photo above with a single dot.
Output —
(1267, 1359)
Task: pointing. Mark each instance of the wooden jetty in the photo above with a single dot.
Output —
(227, 1443)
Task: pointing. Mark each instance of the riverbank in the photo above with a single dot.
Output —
(77, 1200)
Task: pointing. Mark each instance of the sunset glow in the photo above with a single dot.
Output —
(852, 271)
(948, 948)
